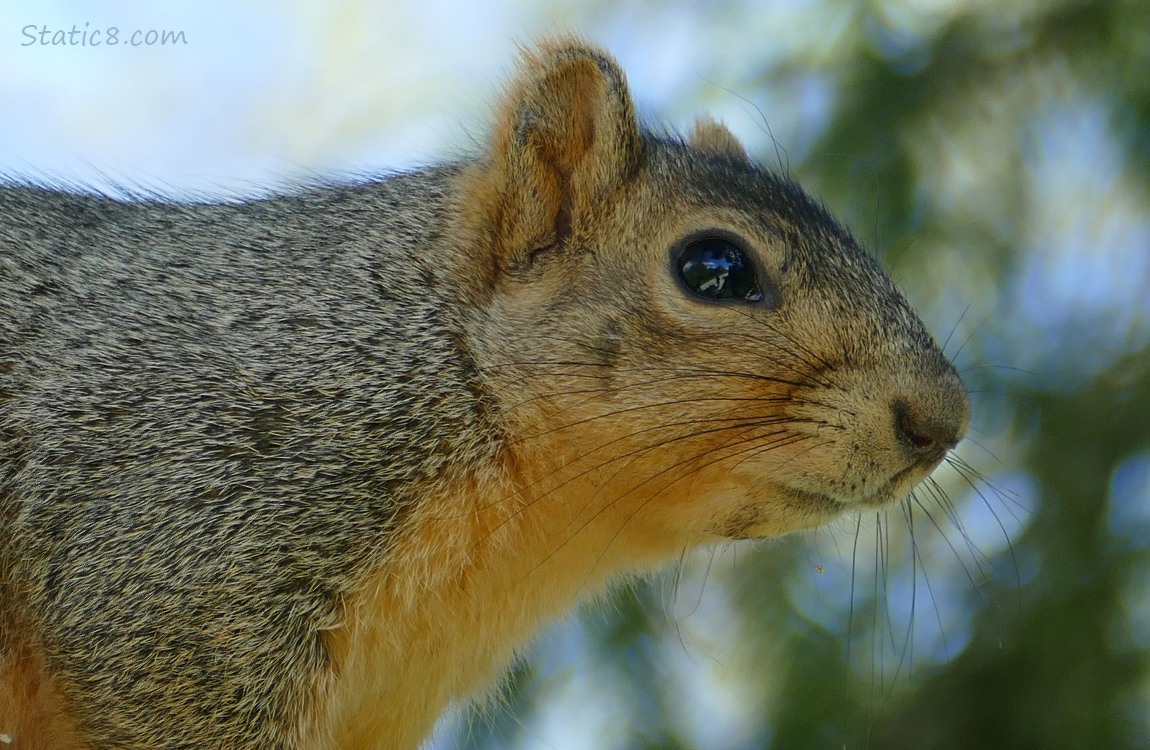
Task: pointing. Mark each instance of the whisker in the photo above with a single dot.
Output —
(946, 538)
(954, 328)
(998, 521)
(925, 576)
(854, 576)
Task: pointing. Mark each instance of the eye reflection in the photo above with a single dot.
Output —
(714, 268)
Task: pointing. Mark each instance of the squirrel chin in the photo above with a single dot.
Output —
(823, 507)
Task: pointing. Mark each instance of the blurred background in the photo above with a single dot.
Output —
(995, 155)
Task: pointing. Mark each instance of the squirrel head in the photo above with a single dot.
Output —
(689, 339)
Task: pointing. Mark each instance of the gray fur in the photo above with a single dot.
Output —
(172, 377)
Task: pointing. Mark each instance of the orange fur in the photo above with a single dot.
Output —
(469, 579)
(32, 712)
(479, 567)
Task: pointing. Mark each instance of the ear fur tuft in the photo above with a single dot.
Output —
(565, 136)
(714, 137)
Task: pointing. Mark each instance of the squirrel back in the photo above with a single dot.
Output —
(297, 472)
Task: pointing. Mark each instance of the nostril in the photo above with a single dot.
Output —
(923, 435)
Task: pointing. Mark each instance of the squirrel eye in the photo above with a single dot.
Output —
(718, 269)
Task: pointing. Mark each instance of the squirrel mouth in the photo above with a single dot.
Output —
(890, 492)
(900, 485)
(784, 508)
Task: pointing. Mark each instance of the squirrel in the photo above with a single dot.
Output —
(298, 471)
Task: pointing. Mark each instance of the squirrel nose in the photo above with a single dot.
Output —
(930, 431)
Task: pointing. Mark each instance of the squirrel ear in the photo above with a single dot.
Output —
(708, 135)
(566, 135)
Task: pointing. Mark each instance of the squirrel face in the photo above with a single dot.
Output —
(684, 333)
(833, 394)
